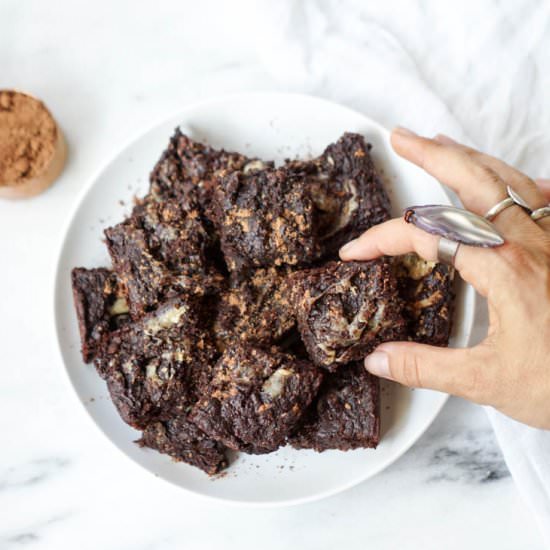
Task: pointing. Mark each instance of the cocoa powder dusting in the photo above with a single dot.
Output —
(28, 137)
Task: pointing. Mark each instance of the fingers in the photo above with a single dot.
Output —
(478, 187)
(544, 186)
(455, 371)
(396, 237)
(479, 180)
(519, 181)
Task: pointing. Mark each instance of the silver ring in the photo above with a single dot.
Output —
(540, 213)
(512, 199)
(493, 212)
(446, 251)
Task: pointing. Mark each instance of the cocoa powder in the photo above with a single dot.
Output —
(28, 137)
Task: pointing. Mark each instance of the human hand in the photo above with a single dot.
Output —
(510, 369)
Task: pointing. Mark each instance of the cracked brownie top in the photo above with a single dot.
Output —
(183, 441)
(157, 367)
(255, 398)
(256, 309)
(347, 191)
(345, 415)
(266, 218)
(162, 250)
(344, 310)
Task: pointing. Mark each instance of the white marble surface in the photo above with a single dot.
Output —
(107, 70)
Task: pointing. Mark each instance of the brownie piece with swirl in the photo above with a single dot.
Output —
(346, 189)
(163, 249)
(157, 367)
(255, 398)
(345, 309)
(266, 218)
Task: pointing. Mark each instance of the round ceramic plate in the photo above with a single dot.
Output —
(270, 126)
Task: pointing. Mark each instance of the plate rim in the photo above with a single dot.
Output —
(80, 198)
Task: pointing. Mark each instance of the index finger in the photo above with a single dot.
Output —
(479, 180)
(396, 237)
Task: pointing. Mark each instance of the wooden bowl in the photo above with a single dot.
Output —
(51, 166)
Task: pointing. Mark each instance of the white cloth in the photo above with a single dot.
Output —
(354, 50)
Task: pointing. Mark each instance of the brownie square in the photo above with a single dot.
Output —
(427, 291)
(184, 442)
(157, 367)
(345, 416)
(256, 309)
(100, 305)
(347, 191)
(255, 398)
(161, 251)
(266, 218)
(344, 310)
(187, 168)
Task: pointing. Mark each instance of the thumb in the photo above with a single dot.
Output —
(455, 371)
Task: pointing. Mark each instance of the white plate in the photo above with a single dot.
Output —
(271, 126)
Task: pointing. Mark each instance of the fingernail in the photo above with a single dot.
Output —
(378, 363)
(400, 130)
(348, 246)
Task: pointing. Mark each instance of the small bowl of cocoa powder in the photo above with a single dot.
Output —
(32, 147)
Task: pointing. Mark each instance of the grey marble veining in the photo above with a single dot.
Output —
(32, 472)
(467, 461)
(32, 535)
(460, 448)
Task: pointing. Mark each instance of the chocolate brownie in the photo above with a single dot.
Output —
(345, 416)
(426, 289)
(344, 310)
(100, 306)
(184, 442)
(187, 168)
(161, 251)
(257, 309)
(223, 303)
(157, 367)
(266, 218)
(348, 193)
(255, 398)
